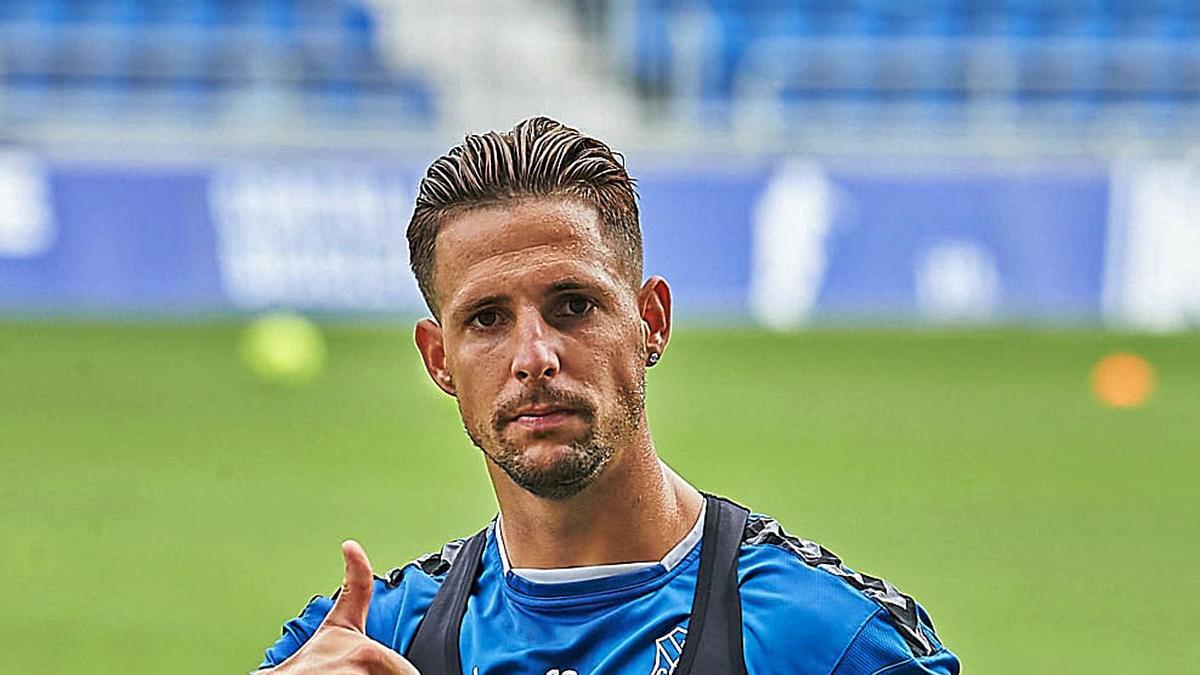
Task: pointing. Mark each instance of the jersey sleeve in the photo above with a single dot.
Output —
(878, 649)
(297, 631)
(397, 605)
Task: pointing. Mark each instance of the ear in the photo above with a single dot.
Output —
(654, 305)
(428, 335)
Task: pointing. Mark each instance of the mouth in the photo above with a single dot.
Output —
(540, 418)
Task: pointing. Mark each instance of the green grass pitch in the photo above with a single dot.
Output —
(163, 510)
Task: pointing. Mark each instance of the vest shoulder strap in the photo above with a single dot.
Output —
(714, 639)
(434, 650)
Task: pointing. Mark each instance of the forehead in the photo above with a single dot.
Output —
(498, 247)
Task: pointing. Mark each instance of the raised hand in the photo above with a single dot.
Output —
(340, 644)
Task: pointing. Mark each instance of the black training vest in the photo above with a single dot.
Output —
(714, 640)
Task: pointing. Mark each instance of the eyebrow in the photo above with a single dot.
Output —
(597, 287)
(475, 305)
(569, 284)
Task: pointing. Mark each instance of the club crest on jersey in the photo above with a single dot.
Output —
(667, 650)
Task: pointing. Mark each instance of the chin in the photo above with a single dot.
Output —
(552, 469)
(546, 454)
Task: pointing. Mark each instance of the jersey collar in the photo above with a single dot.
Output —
(572, 575)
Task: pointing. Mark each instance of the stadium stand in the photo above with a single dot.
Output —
(195, 59)
(763, 75)
(1037, 62)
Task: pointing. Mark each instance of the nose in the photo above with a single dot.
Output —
(536, 355)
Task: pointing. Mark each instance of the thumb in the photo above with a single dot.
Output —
(350, 608)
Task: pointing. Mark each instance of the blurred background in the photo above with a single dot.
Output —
(935, 266)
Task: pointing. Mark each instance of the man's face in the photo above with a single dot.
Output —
(544, 344)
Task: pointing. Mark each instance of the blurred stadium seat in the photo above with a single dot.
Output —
(781, 68)
(1061, 63)
(190, 59)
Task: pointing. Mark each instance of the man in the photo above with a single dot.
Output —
(527, 248)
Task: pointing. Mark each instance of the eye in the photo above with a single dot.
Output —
(485, 319)
(577, 306)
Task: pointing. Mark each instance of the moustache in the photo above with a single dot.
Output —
(508, 410)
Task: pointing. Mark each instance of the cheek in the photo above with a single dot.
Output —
(479, 377)
(476, 413)
(618, 358)
(473, 394)
(477, 360)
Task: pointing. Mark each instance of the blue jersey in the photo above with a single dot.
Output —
(803, 612)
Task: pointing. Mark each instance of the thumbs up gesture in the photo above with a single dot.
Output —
(341, 644)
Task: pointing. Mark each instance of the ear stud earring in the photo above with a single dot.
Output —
(652, 359)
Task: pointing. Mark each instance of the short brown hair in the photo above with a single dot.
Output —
(539, 157)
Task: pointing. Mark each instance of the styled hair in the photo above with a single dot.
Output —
(539, 157)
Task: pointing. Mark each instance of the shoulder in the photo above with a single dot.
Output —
(423, 575)
(398, 601)
(796, 592)
(404, 594)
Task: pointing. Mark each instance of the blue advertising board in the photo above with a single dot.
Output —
(785, 242)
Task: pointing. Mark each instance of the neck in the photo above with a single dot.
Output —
(635, 511)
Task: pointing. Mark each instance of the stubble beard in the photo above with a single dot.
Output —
(583, 460)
